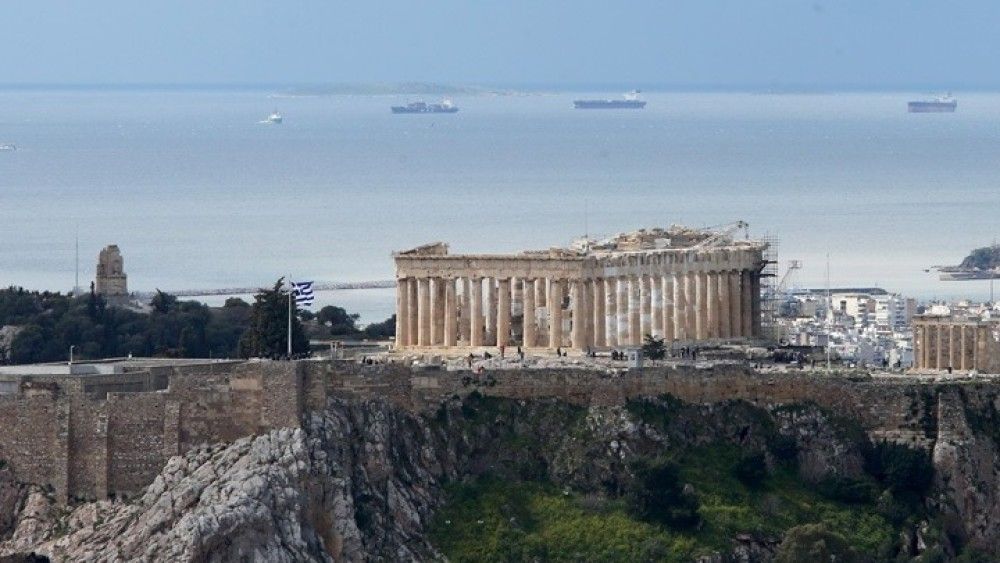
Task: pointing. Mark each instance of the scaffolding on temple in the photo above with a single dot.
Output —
(769, 298)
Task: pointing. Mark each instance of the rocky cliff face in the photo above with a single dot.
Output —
(966, 457)
(361, 480)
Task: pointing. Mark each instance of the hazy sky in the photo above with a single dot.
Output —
(698, 43)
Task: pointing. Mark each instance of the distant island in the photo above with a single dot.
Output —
(396, 88)
(985, 258)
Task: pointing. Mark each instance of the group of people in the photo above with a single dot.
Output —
(486, 355)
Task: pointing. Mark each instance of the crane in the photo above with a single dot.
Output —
(783, 284)
(722, 233)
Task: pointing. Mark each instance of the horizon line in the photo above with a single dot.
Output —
(756, 87)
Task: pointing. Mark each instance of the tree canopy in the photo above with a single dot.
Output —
(47, 324)
(267, 335)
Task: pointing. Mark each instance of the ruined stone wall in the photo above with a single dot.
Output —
(900, 411)
(88, 449)
(134, 441)
(33, 439)
(91, 444)
(87, 439)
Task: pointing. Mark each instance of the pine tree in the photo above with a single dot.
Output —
(267, 336)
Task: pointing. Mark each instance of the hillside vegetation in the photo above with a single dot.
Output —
(985, 258)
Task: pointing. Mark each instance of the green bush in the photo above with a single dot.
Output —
(493, 520)
(751, 470)
(784, 448)
(653, 348)
(814, 542)
(657, 495)
(846, 489)
(901, 468)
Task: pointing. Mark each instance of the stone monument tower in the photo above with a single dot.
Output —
(111, 279)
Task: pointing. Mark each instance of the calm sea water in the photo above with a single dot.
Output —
(199, 195)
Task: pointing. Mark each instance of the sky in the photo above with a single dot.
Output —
(865, 44)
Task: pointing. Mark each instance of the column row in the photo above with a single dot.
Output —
(577, 313)
(942, 346)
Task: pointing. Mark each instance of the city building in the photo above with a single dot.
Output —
(862, 326)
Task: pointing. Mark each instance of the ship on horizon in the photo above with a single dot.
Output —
(629, 101)
(274, 118)
(421, 107)
(940, 104)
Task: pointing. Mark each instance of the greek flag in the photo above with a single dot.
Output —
(303, 292)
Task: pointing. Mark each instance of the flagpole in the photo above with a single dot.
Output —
(290, 292)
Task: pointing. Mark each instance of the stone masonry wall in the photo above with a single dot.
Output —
(89, 444)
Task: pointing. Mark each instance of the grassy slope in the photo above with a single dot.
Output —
(492, 520)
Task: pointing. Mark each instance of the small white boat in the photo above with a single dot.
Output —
(275, 118)
(8, 147)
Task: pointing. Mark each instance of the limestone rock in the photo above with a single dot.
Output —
(362, 478)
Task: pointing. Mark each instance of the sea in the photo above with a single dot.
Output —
(199, 194)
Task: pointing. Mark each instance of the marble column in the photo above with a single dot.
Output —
(755, 324)
(725, 312)
(701, 308)
(645, 306)
(746, 296)
(735, 305)
(414, 316)
(555, 301)
(656, 297)
(691, 302)
(437, 311)
(578, 301)
(516, 299)
(424, 312)
(541, 302)
(476, 313)
(712, 294)
(680, 306)
(975, 347)
(464, 317)
(589, 307)
(962, 357)
(491, 312)
(938, 364)
(402, 310)
(611, 312)
(668, 308)
(634, 311)
(450, 313)
(623, 314)
(951, 347)
(925, 347)
(597, 296)
(503, 312)
(529, 325)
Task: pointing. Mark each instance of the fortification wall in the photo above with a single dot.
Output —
(33, 437)
(88, 442)
(903, 411)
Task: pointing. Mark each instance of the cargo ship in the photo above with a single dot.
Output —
(630, 101)
(420, 107)
(968, 275)
(941, 104)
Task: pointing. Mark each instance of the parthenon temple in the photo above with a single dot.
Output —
(678, 284)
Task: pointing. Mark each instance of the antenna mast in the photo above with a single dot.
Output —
(829, 314)
(76, 280)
